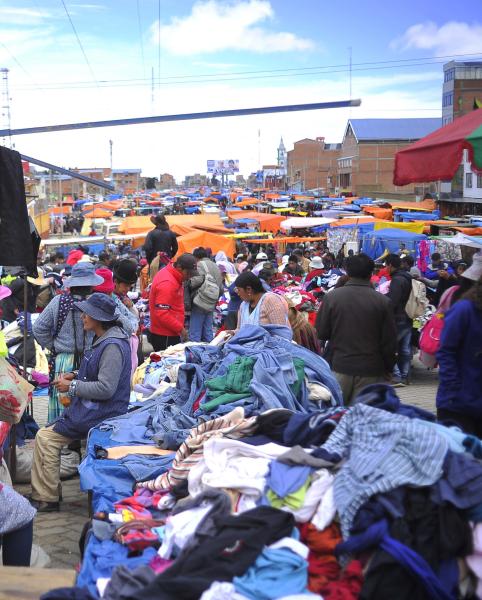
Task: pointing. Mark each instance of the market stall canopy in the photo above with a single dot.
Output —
(267, 222)
(304, 222)
(178, 223)
(195, 239)
(463, 240)
(377, 243)
(438, 155)
(413, 227)
(60, 210)
(287, 240)
(98, 213)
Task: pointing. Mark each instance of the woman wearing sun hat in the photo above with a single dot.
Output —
(59, 328)
(99, 391)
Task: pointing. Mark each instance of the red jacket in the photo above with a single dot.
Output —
(166, 302)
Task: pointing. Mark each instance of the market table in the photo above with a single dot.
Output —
(24, 583)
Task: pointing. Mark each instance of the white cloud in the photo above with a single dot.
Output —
(10, 15)
(451, 38)
(216, 25)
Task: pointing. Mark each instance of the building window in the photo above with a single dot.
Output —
(446, 120)
(447, 99)
(449, 75)
(468, 180)
(479, 181)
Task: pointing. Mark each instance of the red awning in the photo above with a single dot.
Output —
(438, 155)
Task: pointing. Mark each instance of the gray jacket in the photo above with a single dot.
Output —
(46, 324)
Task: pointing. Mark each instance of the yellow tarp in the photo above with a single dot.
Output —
(413, 227)
(195, 239)
(283, 210)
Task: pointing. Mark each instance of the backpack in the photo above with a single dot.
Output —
(207, 294)
(431, 334)
(417, 301)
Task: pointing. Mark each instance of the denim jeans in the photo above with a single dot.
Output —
(200, 326)
(404, 351)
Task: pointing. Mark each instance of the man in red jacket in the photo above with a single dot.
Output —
(166, 303)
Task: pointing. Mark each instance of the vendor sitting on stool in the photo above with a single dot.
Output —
(99, 391)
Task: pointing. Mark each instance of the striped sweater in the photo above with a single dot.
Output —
(232, 425)
(383, 451)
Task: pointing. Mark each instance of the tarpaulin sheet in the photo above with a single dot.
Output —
(413, 227)
(438, 155)
(195, 239)
(379, 213)
(286, 240)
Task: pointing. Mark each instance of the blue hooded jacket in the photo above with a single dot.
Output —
(460, 360)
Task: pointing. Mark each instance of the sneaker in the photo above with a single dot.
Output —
(45, 507)
(405, 381)
(399, 382)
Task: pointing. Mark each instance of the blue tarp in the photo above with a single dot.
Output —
(404, 216)
(376, 242)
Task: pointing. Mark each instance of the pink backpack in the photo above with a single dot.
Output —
(431, 334)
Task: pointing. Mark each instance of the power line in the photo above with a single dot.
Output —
(19, 64)
(141, 40)
(79, 42)
(265, 74)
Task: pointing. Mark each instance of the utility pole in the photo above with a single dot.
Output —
(5, 107)
(111, 143)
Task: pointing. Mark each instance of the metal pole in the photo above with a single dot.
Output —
(216, 114)
(61, 208)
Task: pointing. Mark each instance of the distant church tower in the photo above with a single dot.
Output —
(281, 155)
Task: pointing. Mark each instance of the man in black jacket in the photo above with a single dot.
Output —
(399, 293)
(160, 239)
(358, 323)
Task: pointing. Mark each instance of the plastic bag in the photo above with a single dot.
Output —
(15, 393)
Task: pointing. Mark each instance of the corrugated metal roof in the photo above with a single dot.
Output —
(393, 129)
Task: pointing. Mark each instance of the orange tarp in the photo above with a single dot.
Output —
(355, 220)
(60, 210)
(428, 205)
(98, 213)
(248, 202)
(68, 200)
(143, 224)
(379, 213)
(111, 204)
(267, 221)
(285, 240)
(191, 241)
(470, 230)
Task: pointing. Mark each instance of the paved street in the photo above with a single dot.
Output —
(58, 533)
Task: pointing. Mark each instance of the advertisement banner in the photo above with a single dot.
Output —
(227, 166)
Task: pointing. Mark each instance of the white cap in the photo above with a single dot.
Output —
(261, 256)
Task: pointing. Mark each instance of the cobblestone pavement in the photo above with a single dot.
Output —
(58, 533)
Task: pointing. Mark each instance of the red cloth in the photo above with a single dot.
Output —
(438, 155)
(348, 586)
(74, 257)
(314, 273)
(166, 302)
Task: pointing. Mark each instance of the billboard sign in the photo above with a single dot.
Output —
(218, 167)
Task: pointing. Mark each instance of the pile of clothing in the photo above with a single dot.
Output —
(373, 501)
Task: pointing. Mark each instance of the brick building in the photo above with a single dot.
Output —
(462, 89)
(126, 181)
(366, 159)
(166, 181)
(312, 164)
